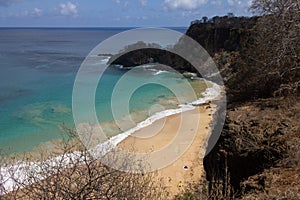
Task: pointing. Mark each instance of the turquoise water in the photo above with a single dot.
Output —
(38, 69)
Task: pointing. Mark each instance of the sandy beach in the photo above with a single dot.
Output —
(162, 133)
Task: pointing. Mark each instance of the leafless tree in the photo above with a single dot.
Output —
(72, 173)
(270, 63)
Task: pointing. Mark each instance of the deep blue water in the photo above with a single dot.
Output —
(37, 72)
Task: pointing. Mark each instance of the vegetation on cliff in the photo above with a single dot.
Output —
(257, 155)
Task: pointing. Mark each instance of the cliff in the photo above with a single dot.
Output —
(257, 155)
(222, 33)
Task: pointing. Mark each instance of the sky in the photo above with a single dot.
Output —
(114, 13)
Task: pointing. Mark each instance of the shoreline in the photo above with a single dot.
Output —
(174, 173)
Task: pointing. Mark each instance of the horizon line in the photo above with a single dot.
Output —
(73, 27)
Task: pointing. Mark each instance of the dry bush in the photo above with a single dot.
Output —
(219, 189)
(270, 59)
(76, 174)
(283, 180)
(194, 191)
(257, 136)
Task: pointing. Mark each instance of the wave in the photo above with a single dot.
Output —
(156, 71)
(104, 59)
(209, 94)
(121, 67)
(103, 148)
(147, 67)
(159, 72)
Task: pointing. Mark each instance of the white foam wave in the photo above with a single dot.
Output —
(104, 59)
(156, 71)
(22, 171)
(103, 148)
(209, 94)
(146, 66)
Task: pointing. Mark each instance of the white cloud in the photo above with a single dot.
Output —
(68, 8)
(239, 7)
(37, 12)
(143, 2)
(184, 4)
(249, 2)
(239, 2)
(233, 2)
(117, 1)
(191, 13)
(230, 2)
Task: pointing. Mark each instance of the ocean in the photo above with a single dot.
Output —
(37, 72)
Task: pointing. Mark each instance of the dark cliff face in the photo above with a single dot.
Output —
(221, 33)
(215, 38)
